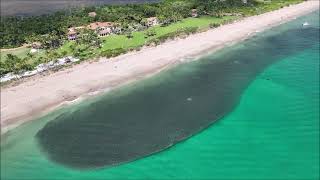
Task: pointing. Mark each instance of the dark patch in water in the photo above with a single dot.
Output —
(122, 128)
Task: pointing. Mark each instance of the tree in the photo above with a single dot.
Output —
(88, 38)
(181, 9)
(11, 61)
(53, 56)
(129, 34)
(14, 31)
(64, 53)
(51, 40)
(16, 64)
(40, 60)
(30, 55)
(32, 38)
(72, 47)
(23, 65)
(3, 68)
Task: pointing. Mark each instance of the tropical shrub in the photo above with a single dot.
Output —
(172, 35)
(150, 33)
(14, 64)
(112, 52)
(214, 25)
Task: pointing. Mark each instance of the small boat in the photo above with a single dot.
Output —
(305, 24)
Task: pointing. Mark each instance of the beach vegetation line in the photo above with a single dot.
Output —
(111, 30)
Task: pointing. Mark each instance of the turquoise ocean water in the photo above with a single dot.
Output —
(271, 133)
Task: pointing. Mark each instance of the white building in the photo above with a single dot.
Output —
(152, 21)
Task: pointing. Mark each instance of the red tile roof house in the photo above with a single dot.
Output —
(72, 32)
(103, 28)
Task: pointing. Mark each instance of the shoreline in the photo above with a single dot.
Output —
(39, 95)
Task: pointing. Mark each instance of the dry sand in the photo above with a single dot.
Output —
(41, 94)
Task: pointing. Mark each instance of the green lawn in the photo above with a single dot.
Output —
(20, 52)
(138, 39)
(66, 47)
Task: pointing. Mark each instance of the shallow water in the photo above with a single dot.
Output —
(273, 132)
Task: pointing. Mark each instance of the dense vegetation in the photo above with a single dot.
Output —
(50, 30)
(18, 30)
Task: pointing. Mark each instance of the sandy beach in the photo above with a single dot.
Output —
(37, 95)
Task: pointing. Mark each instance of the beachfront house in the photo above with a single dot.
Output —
(104, 31)
(92, 14)
(103, 28)
(73, 32)
(35, 47)
(72, 35)
(194, 13)
(152, 21)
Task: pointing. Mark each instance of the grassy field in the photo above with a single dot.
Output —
(20, 52)
(139, 39)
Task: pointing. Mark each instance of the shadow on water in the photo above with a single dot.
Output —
(150, 118)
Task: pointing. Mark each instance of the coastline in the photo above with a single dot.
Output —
(41, 94)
